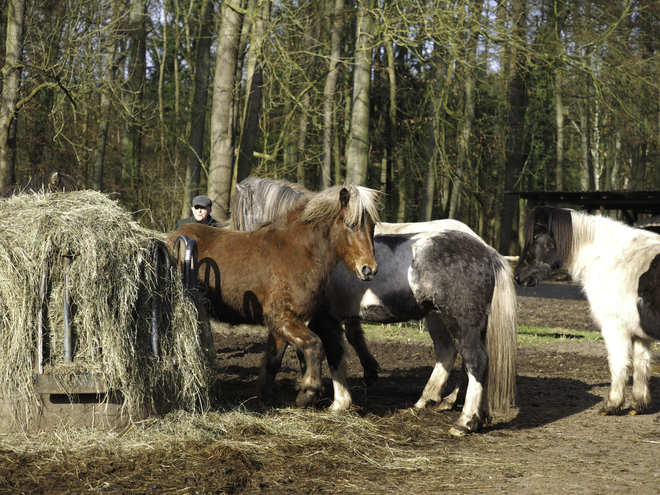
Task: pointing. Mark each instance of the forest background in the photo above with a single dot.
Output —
(445, 106)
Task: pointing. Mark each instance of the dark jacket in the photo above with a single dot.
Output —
(210, 221)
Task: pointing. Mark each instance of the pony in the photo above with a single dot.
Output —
(451, 278)
(275, 274)
(46, 183)
(618, 268)
(257, 200)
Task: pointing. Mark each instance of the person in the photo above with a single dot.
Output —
(201, 213)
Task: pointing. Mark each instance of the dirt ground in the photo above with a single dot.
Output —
(552, 441)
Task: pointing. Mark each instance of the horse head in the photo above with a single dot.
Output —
(547, 244)
(358, 220)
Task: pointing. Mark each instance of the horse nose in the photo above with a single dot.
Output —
(516, 277)
(368, 272)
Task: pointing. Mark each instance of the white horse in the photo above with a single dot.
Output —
(618, 268)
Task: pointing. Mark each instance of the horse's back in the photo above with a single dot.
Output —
(453, 267)
(413, 270)
(420, 227)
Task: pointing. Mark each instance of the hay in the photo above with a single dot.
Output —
(110, 280)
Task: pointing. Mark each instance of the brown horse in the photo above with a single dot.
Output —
(46, 183)
(275, 275)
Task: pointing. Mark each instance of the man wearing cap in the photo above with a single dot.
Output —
(201, 209)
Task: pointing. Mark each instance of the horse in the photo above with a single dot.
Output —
(451, 278)
(275, 274)
(618, 268)
(257, 200)
(45, 183)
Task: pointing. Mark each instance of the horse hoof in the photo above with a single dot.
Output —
(639, 408)
(305, 399)
(610, 411)
(370, 379)
(445, 406)
(458, 431)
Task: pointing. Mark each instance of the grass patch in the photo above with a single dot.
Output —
(410, 331)
(532, 336)
(527, 335)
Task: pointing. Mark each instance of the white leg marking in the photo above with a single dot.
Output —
(343, 397)
(473, 396)
(434, 387)
(641, 368)
(619, 352)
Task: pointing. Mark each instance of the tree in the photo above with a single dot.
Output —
(357, 153)
(517, 100)
(198, 107)
(254, 80)
(105, 105)
(11, 73)
(222, 132)
(330, 90)
(134, 95)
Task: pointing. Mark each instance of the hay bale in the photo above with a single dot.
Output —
(110, 282)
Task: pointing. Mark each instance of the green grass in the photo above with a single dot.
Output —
(532, 336)
(527, 335)
(410, 331)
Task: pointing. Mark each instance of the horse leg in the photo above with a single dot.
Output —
(641, 396)
(355, 336)
(275, 348)
(470, 344)
(458, 394)
(296, 333)
(619, 352)
(329, 330)
(445, 355)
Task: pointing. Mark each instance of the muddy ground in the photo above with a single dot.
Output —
(553, 441)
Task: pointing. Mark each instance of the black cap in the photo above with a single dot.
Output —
(203, 201)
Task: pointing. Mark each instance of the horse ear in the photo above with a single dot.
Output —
(344, 196)
(54, 179)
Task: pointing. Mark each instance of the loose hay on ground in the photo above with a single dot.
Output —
(110, 280)
(263, 445)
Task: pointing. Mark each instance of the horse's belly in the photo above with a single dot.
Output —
(389, 307)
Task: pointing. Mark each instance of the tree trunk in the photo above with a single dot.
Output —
(559, 114)
(11, 73)
(395, 164)
(463, 146)
(222, 134)
(357, 154)
(430, 174)
(330, 89)
(198, 107)
(312, 34)
(616, 161)
(132, 160)
(105, 105)
(254, 81)
(517, 103)
(463, 166)
(585, 149)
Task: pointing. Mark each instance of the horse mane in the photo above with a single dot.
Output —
(558, 221)
(276, 198)
(45, 183)
(362, 202)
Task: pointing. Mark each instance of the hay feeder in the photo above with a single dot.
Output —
(97, 329)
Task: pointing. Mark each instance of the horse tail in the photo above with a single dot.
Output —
(501, 344)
